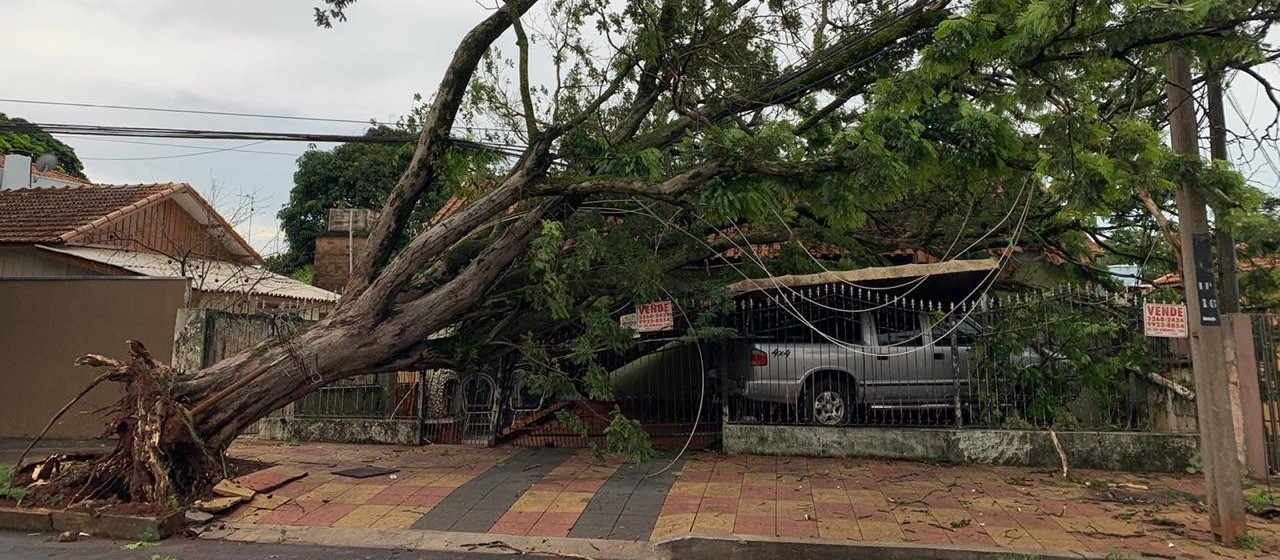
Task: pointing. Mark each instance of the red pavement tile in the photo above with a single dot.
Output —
(676, 507)
(437, 491)
(718, 505)
(325, 515)
(296, 488)
(831, 510)
(584, 485)
(553, 525)
(920, 532)
(695, 476)
(286, 514)
(797, 528)
(759, 492)
(421, 500)
(271, 478)
(1037, 522)
(516, 523)
(755, 525)
(726, 476)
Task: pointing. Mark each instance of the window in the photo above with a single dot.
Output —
(897, 327)
(966, 333)
(845, 328)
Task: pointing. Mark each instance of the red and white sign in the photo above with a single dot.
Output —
(654, 316)
(1165, 320)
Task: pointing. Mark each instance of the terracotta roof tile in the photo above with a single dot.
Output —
(44, 215)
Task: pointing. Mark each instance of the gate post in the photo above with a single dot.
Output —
(1242, 372)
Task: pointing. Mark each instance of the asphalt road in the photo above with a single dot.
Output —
(22, 546)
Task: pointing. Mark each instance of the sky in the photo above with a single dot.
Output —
(264, 57)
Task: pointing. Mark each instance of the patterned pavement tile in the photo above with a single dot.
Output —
(1020, 510)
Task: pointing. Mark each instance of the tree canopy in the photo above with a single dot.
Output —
(37, 142)
(654, 134)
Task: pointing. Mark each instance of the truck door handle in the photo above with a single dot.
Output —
(882, 358)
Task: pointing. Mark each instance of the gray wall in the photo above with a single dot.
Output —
(45, 324)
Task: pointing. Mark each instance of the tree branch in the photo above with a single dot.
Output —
(432, 145)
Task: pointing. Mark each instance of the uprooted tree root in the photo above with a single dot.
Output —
(158, 458)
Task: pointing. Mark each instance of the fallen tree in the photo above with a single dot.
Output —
(683, 114)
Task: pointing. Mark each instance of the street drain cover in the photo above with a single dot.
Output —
(364, 472)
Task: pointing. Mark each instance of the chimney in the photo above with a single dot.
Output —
(17, 171)
(338, 248)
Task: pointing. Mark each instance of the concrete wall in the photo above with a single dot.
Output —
(1122, 451)
(46, 324)
(341, 430)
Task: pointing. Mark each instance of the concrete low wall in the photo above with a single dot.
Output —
(1119, 451)
(341, 430)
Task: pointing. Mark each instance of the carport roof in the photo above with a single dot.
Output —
(869, 274)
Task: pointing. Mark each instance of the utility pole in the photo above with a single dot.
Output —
(1227, 267)
(1213, 394)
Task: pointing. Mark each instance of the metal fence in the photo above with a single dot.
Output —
(841, 354)
(1266, 343)
(210, 336)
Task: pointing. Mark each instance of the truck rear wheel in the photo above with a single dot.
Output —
(829, 402)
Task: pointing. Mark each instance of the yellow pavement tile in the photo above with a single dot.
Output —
(722, 490)
(866, 497)
(715, 523)
(948, 516)
(1061, 545)
(1010, 537)
(326, 491)
(697, 465)
(453, 480)
(759, 479)
(789, 509)
(880, 531)
(400, 518)
(839, 529)
(534, 500)
(570, 502)
(668, 525)
(687, 489)
(358, 494)
(907, 515)
(830, 495)
(757, 507)
(363, 516)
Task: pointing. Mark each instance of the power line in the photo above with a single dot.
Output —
(219, 113)
(147, 132)
(169, 145)
(173, 156)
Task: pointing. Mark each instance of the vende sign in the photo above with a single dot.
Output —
(1164, 320)
(654, 316)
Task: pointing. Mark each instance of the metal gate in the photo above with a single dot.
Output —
(1266, 335)
(480, 401)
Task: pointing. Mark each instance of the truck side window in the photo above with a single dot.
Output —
(966, 333)
(897, 327)
(845, 328)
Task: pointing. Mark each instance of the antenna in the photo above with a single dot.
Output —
(46, 162)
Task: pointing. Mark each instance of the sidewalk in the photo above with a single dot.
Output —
(545, 492)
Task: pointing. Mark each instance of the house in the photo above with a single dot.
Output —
(85, 266)
(163, 230)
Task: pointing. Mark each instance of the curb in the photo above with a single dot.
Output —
(698, 547)
(436, 541)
